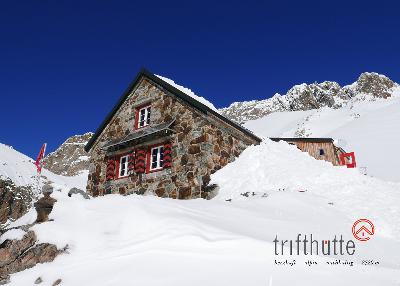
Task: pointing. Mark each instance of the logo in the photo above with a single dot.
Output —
(363, 229)
(307, 245)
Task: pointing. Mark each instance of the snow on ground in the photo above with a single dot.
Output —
(189, 92)
(12, 234)
(369, 128)
(145, 240)
(115, 240)
(274, 166)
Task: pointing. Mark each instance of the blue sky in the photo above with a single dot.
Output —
(64, 64)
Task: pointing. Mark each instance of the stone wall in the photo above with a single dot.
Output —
(201, 144)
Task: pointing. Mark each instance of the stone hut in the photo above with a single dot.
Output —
(161, 139)
(319, 148)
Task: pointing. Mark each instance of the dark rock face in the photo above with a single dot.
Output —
(57, 282)
(11, 249)
(312, 96)
(375, 84)
(70, 158)
(14, 201)
(18, 255)
(76, 191)
(43, 207)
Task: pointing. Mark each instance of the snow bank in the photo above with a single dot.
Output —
(272, 167)
(116, 240)
(12, 234)
(189, 92)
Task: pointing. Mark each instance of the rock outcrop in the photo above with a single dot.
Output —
(43, 207)
(14, 201)
(70, 158)
(368, 86)
(18, 255)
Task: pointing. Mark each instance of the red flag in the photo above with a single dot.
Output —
(39, 159)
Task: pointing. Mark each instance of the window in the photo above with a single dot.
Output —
(143, 116)
(156, 158)
(123, 166)
(321, 152)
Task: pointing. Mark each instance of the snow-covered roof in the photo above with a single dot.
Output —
(189, 92)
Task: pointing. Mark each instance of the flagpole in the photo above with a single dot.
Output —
(39, 165)
(37, 182)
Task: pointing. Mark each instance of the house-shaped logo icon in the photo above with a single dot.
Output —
(363, 229)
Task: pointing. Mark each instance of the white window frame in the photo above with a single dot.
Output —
(126, 167)
(147, 115)
(159, 163)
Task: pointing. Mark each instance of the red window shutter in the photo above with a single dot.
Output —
(110, 171)
(131, 162)
(140, 159)
(167, 160)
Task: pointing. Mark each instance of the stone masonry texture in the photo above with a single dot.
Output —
(201, 145)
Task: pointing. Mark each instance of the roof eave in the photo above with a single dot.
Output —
(310, 139)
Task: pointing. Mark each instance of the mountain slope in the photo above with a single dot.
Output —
(369, 128)
(19, 184)
(22, 171)
(70, 158)
(368, 86)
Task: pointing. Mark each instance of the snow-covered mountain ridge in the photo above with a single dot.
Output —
(368, 87)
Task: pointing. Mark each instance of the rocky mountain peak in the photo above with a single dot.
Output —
(313, 96)
(375, 84)
(70, 158)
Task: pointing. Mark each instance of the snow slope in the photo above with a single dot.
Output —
(369, 128)
(22, 171)
(146, 240)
